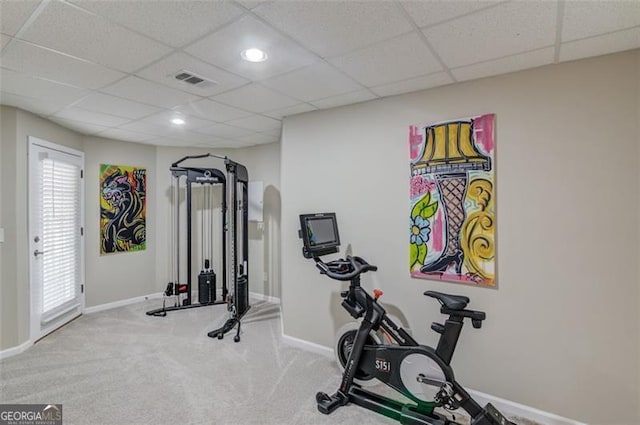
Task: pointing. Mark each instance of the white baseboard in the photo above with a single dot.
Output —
(308, 346)
(262, 297)
(513, 409)
(109, 306)
(9, 352)
(507, 407)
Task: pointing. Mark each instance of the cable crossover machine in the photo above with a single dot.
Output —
(234, 240)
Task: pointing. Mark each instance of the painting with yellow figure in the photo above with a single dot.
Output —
(122, 208)
(452, 216)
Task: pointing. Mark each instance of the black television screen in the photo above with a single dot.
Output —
(319, 233)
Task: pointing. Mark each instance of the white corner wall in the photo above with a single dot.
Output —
(562, 329)
(17, 126)
(119, 276)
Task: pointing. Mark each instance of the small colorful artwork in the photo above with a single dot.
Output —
(452, 216)
(122, 208)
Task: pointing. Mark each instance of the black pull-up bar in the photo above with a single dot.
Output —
(206, 155)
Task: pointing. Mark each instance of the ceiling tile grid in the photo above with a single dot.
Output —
(40, 62)
(504, 65)
(137, 89)
(315, 81)
(165, 70)
(223, 47)
(108, 68)
(71, 30)
(4, 40)
(255, 98)
(334, 28)
(14, 14)
(89, 117)
(393, 60)
(589, 18)
(601, 45)
(175, 23)
(112, 105)
(507, 29)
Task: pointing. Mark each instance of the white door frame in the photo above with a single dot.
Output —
(36, 330)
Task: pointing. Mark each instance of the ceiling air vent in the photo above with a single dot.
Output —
(192, 79)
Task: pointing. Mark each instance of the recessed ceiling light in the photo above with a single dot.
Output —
(177, 121)
(254, 55)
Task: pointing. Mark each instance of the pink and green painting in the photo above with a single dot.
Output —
(452, 215)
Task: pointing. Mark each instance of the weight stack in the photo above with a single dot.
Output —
(242, 295)
(206, 287)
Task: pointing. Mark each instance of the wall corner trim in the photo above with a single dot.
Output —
(263, 297)
(509, 408)
(14, 351)
(121, 303)
(308, 346)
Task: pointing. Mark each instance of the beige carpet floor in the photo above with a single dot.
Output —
(122, 367)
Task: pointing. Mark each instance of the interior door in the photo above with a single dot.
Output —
(56, 221)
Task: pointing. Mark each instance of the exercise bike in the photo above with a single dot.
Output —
(418, 372)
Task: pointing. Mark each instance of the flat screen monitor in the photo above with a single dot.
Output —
(319, 233)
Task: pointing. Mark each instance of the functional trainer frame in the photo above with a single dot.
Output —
(235, 262)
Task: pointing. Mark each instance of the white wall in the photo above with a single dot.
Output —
(562, 329)
(15, 256)
(119, 276)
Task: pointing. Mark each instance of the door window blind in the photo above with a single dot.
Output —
(60, 214)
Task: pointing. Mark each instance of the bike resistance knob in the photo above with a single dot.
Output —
(377, 293)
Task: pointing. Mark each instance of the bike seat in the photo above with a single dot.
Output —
(453, 302)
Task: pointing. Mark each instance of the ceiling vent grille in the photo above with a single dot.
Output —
(188, 77)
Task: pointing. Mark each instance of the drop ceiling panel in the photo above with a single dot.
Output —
(608, 43)
(40, 62)
(256, 139)
(224, 131)
(210, 110)
(164, 71)
(172, 22)
(39, 89)
(425, 13)
(37, 106)
(106, 104)
(504, 65)
(163, 119)
(507, 29)
(290, 110)
(413, 84)
(137, 89)
(344, 99)
(14, 14)
(79, 126)
(4, 39)
(392, 60)
(144, 128)
(68, 29)
(124, 135)
(257, 123)
(95, 118)
(313, 82)
(333, 28)
(255, 98)
(588, 18)
(223, 49)
(252, 4)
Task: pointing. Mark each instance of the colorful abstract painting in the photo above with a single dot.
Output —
(452, 215)
(122, 208)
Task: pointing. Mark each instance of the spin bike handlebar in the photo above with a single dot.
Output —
(344, 269)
